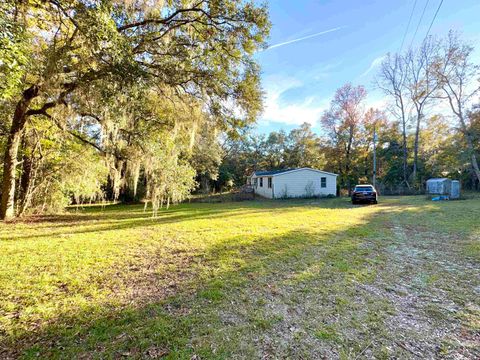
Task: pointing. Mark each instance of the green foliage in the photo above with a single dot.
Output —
(150, 86)
(207, 153)
(83, 179)
(14, 52)
(168, 178)
(300, 148)
(65, 171)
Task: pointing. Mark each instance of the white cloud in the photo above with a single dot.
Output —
(308, 110)
(374, 65)
(376, 100)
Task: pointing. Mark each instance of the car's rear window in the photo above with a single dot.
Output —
(363, 188)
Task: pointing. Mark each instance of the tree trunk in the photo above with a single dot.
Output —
(415, 149)
(471, 148)
(205, 184)
(347, 174)
(26, 184)
(405, 152)
(7, 204)
(347, 162)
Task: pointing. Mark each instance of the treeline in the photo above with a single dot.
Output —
(442, 153)
(279, 150)
(134, 100)
(429, 127)
(121, 100)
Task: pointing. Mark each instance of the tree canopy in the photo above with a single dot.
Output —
(138, 82)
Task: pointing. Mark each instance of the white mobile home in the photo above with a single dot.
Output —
(294, 183)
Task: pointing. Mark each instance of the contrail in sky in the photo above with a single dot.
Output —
(305, 37)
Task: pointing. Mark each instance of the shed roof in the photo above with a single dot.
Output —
(438, 179)
(282, 171)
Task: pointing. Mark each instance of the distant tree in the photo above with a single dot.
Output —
(458, 78)
(276, 150)
(242, 155)
(437, 154)
(390, 175)
(391, 80)
(374, 123)
(207, 155)
(343, 122)
(304, 148)
(422, 87)
(301, 147)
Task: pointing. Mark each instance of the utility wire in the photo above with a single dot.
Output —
(419, 22)
(408, 26)
(434, 17)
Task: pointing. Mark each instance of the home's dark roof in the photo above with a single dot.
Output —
(277, 172)
(271, 172)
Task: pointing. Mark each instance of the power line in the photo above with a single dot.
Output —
(419, 22)
(408, 26)
(434, 17)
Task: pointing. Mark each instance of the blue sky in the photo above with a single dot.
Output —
(299, 78)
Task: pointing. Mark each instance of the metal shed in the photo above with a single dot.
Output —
(455, 189)
(444, 186)
(439, 186)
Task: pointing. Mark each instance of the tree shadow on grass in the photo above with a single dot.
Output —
(208, 302)
(122, 212)
(178, 318)
(120, 217)
(96, 224)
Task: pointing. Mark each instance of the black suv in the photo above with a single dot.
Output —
(364, 193)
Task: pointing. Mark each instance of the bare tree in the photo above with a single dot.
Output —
(392, 81)
(459, 77)
(343, 121)
(421, 86)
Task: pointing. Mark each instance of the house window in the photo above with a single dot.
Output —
(255, 182)
(261, 182)
(269, 182)
(323, 182)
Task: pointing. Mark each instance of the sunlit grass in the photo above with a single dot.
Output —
(120, 283)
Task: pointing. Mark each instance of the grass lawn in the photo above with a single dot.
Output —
(259, 279)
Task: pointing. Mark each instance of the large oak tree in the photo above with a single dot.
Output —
(200, 48)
